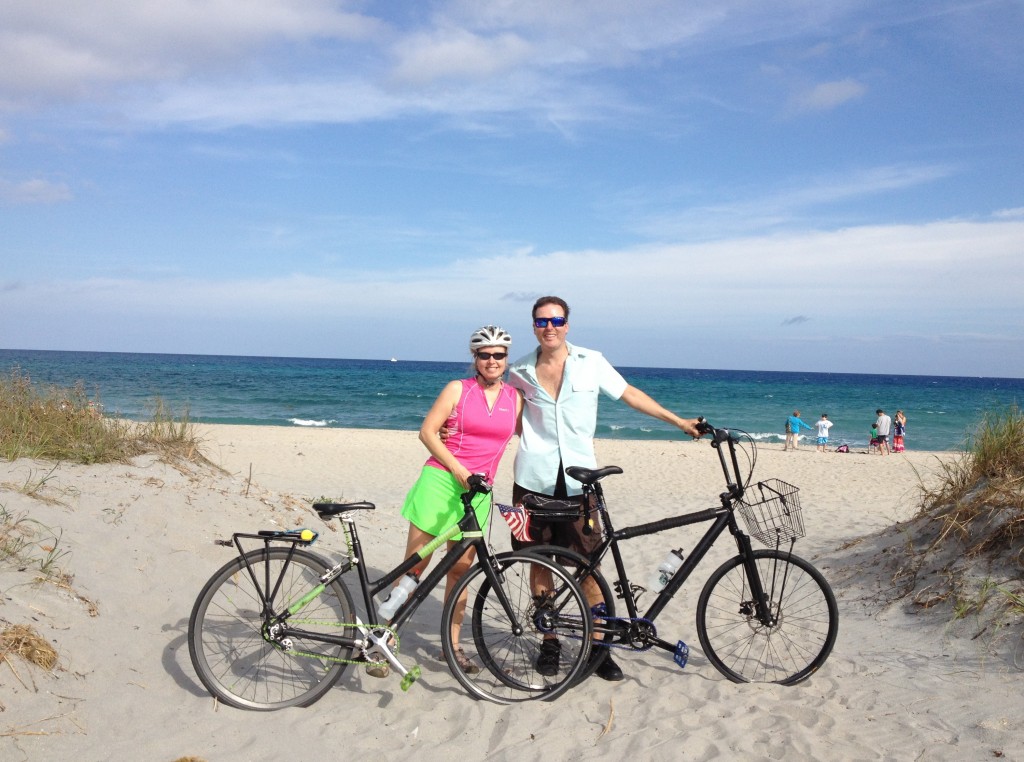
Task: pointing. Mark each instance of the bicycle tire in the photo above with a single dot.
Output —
(745, 650)
(506, 658)
(229, 652)
(575, 563)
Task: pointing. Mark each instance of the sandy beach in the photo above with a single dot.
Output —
(137, 544)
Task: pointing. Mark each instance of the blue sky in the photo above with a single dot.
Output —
(785, 185)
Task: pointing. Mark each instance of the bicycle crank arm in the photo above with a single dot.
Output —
(380, 646)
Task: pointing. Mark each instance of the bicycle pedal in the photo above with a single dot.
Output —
(682, 653)
(411, 677)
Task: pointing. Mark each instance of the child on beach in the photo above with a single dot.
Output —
(876, 443)
(824, 424)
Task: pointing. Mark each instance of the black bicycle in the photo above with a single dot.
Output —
(762, 616)
(276, 627)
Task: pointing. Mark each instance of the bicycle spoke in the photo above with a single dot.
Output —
(786, 651)
(506, 650)
(232, 656)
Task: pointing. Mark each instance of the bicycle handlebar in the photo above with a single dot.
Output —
(717, 435)
(734, 480)
(478, 484)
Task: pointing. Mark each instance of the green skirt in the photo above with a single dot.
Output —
(435, 502)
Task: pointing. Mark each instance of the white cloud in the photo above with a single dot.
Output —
(64, 47)
(457, 53)
(784, 206)
(929, 271)
(114, 49)
(1010, 214)
(828, 95)
(35, 191)
(929, 293)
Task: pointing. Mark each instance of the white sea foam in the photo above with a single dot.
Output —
(303, 422)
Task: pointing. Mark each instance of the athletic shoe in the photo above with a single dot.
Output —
(609, 670)
(549, 657)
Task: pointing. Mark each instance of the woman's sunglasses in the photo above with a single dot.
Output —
(557, 322)
(491, 355)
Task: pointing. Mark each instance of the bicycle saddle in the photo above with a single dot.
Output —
(591, 475)
(327, 510)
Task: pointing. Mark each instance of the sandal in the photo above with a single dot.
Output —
(378, 669)
(465, 663)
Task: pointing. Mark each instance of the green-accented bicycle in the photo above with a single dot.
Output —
(276, 626)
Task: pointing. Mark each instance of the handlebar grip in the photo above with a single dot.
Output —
(478, 483)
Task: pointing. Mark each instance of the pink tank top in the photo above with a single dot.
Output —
(477, 435)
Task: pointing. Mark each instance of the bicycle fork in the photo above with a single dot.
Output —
(761, 599)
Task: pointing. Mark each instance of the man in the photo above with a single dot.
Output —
(560, 383)
(884, 423)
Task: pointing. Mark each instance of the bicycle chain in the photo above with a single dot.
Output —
(652, 632)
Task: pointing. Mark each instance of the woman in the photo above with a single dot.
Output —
(899, 431)
(481, 413)
(793, 424)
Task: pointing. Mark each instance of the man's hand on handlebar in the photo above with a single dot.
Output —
(692, 427)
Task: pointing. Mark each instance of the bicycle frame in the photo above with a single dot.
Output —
(723, 518)
(374, 635)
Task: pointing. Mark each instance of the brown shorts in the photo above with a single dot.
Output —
(583, 535)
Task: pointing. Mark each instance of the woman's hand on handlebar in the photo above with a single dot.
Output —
(462, 473)
(478, 483)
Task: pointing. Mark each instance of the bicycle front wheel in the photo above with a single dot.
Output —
(495, 651)
(791, 648)
(238, 661)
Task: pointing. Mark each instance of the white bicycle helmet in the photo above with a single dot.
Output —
(489, 336)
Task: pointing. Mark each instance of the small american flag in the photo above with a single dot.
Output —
(518, 520)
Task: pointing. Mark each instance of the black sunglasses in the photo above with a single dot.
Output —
(557, 322)
(491, 355)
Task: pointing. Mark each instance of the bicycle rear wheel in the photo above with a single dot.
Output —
(230, 651)
(745, 649)
(500, 643)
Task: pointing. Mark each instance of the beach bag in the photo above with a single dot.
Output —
(843, 448)
(789, 427)
(535, 507)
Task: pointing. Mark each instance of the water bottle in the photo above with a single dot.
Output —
(669, 565)
(399, 595)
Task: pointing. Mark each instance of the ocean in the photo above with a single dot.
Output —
(942, 411)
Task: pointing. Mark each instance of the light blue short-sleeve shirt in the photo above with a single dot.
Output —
(562, 430)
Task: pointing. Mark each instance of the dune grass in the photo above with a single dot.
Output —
(65, 424)
(980, 497)
(970, 527)
(22, 640)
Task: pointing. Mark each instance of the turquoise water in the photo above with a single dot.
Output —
(279, 391)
